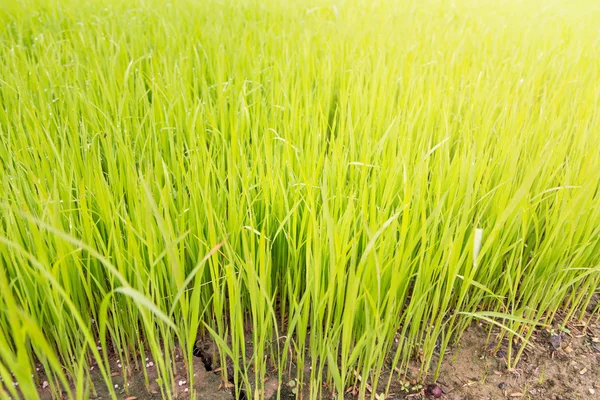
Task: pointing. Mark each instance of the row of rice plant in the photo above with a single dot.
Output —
(339, 186)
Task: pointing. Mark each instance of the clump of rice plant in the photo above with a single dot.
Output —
(342, 185)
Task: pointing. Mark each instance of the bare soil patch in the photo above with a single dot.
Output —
(564, 369)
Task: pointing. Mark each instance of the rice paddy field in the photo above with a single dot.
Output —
(324, 189)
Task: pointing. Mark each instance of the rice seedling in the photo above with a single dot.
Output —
(340, 187)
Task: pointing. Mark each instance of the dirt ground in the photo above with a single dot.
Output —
(562, 366)
(558, 367)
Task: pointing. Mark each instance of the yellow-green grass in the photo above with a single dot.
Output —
(312, 172)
